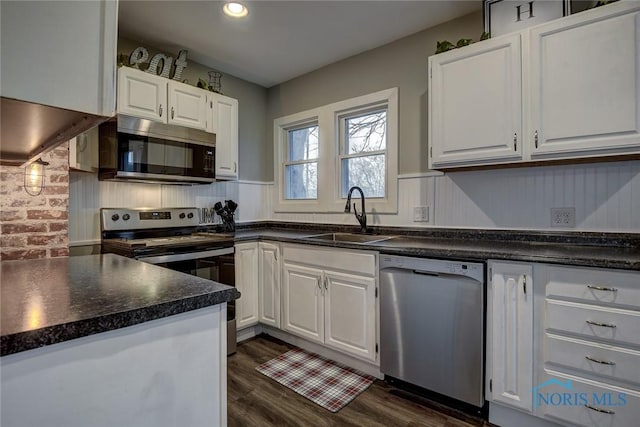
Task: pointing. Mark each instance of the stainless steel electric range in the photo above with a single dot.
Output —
(172, 238)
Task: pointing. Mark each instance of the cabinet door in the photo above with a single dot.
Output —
(224, 123)
(510, 333)
(475, 104)
(349, 313)
(61, 54)
(269, 284)
(187, 105)
(302, 301)
(83, 151)
(585, 83)
(247, 283)
(142, 94)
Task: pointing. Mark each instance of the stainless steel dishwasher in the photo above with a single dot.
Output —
(432, 325)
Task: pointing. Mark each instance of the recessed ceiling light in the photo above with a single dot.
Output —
(235, 10)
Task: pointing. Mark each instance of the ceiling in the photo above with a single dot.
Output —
(279, 40)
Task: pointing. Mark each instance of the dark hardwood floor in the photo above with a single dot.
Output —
(256, 400)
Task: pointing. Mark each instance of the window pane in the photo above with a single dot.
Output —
(366, 172)
(301, 181)
(303, 143)
(366, 133)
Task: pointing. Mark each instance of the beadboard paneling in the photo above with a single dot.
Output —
(606, 197)
(415, 191)
(87, 195)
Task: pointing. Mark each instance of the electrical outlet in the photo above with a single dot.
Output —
(563, 217)
(421, 214)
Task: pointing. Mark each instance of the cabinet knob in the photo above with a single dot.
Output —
(235, 167)
(160, 110)
(535, 138)
(172, 112)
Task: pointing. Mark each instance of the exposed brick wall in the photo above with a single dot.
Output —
(35, 226)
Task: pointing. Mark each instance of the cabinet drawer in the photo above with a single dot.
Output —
(623, 405)
(335, 259)
(595, 285)
(623, 326)
(597, 359)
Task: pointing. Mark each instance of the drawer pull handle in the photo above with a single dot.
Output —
(602, 362)
(604, 325)
(602, 288)
(604, 411)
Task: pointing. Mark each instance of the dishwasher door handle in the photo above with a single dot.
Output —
(425, 273)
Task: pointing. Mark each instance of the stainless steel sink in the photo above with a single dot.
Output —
(349, 238)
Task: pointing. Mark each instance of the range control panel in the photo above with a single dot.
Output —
(112, 219)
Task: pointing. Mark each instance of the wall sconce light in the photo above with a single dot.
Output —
(34, 177)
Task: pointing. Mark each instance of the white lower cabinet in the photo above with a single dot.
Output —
(566, 350)
(303, 302)
(269, 283)
(510, 334)
(330, 306)
(349, 312)
(246, 270)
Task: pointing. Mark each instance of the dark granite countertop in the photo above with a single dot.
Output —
(47, 301)
(591, 249)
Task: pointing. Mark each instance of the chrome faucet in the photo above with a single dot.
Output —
(362, 218)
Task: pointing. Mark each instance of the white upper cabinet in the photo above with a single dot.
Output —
(566, 89)
(61, 54)
(585, 84)
(224, 123)
(152, 97)
(142, 94)
(187, 106)
(475, 104)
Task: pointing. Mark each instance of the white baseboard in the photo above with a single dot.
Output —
(247, 333)
(506, 417)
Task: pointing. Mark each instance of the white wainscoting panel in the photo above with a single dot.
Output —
(412, 191)
(87, 195)
(606, 197)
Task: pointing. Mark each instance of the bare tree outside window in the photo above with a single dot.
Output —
(364, 153)
(301, 169)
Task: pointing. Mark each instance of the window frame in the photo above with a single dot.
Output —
(329, 159)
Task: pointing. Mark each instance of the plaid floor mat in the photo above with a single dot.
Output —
(320, 380)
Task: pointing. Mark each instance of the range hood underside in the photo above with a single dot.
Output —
(30, 130)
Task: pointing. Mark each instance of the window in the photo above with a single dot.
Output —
(319, 154)
(363, 150)
(301, 166)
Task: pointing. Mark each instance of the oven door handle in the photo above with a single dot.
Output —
(161, 259)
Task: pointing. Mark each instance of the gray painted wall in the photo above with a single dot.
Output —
(401, 64)
(252, 100)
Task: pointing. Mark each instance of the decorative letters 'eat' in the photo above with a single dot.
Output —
(140, 55)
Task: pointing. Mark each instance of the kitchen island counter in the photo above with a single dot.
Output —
(48, 301)
(104, 340)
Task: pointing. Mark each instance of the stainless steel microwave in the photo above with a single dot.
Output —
(141, 150)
